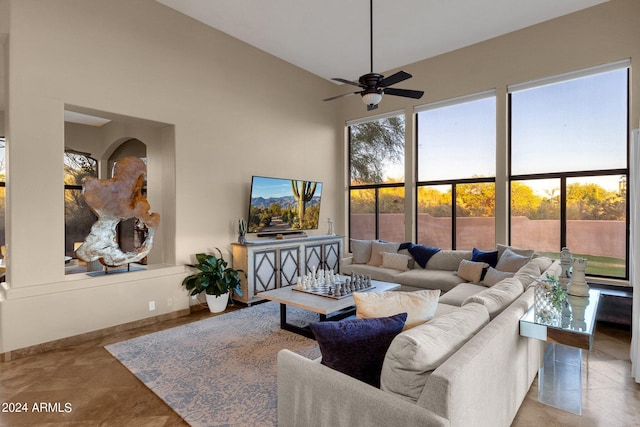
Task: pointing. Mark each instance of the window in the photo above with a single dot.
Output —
(77, 215)
(456, 173)
(569, 167)
(376, 169)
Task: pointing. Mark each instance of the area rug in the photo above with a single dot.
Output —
(219, 371)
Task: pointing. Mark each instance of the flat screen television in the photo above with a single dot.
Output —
(283, 206)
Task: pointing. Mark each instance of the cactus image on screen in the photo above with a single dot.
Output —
(280, 205)
(303, 192)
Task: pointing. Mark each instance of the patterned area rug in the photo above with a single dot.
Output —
(219, 371)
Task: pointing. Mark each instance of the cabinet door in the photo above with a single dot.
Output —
(264, 270)
(289, 266)
(332, 256)
(313, 257)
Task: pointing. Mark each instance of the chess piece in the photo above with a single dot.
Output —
(565, 265)
(578, 308)
(578, 285)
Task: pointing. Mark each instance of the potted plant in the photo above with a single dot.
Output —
(213, 278)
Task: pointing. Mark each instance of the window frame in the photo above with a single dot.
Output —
(371, 186)
(563, 176)
(449, 182)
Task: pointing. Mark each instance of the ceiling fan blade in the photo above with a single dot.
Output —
(349, 82)
(339, 96)
(394, 78)
(407, 93)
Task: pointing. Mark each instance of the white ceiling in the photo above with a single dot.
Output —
(330, 38)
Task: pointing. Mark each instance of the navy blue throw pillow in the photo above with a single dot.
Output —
(405, 245)
(356, 347)
(422, 254)
(490, 257)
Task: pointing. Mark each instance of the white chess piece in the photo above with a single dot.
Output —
(578, 286)
(565, 265)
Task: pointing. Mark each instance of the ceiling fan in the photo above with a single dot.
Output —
(375, 85)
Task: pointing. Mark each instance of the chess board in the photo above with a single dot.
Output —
(323, 291)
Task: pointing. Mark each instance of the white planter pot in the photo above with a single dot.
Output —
(217, 304)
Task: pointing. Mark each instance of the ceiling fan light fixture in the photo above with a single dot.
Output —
(372, 98)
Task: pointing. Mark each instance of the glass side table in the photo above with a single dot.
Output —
(560, 377)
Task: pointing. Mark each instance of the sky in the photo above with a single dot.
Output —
(275, 187)
(545, 138)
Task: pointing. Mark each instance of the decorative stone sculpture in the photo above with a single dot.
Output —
(114, 200)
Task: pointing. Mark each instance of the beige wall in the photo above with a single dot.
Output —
(214, 112)
(602, 34)
(225, 111)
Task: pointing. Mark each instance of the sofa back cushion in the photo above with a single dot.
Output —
(512, 261)
(498, 297)
(415, 353)
(448, 260)
(377, 248)
(361, 250)
(420, 306)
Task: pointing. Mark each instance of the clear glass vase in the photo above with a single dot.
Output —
(545, 310)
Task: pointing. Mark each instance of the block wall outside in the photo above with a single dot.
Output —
(600, 238)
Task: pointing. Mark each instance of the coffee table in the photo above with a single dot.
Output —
(560, 377)
(328, 308)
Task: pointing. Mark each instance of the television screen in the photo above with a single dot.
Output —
(281, 205)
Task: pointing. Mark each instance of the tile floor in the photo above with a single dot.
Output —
(101, 392)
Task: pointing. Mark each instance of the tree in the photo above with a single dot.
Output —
(592, 202)
(434, 202)
(372, 145)
(475, 199)
(524, 202)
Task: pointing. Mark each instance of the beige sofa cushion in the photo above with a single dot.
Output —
(395, 261)
(494, 276)
(415, 353)
(498, 297)
(526, 274)
(471, 271)
(420, 306)
(376, 251)
(448, 260)
(460, 293)
(529, 253)
(511, 261)
(444, 309)
(361, 250)
(376, 273)
(543, 262)
(419, 277)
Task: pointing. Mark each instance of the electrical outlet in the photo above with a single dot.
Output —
(152, 305)
(169, 302)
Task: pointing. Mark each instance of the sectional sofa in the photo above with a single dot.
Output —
(466, 366)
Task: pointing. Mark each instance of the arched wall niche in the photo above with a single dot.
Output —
(109, 137)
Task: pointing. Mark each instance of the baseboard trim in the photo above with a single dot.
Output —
(79, 339)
